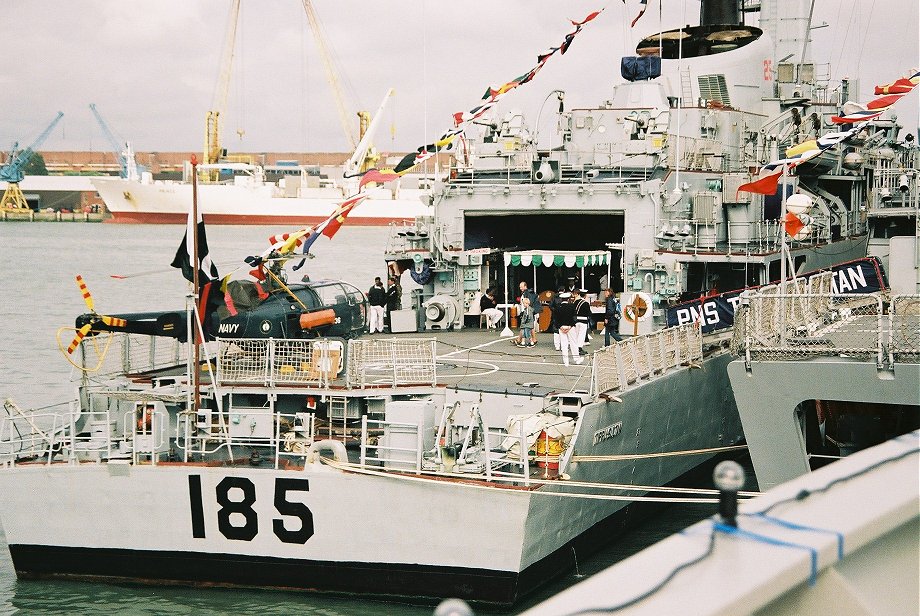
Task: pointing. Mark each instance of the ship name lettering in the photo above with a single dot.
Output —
(707, 314)
(848, 279)
(608, 433)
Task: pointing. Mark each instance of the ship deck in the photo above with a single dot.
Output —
(481, 360)
(472, 359)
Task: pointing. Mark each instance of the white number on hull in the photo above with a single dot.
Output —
(244, 506)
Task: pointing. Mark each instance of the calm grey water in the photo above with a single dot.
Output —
(39, 262)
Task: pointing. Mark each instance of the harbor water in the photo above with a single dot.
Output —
(126, 268)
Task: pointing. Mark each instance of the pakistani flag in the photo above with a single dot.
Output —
(206, 270)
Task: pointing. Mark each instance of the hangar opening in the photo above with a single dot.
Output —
(535, 230)
(561, 232)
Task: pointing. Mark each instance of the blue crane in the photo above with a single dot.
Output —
(122, 148)
(12, 172)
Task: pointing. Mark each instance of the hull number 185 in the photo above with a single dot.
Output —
(237, 495)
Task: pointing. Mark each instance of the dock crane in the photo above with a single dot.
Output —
(212, 147)
(12, 172)
(331, 76)
(122, 149)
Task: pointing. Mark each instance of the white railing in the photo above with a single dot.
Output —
(271, 362)
(281, 435)
(116, 353)
(741, 237)
(36, 436)
(143, 435)
(392, 362)
(904, 328)
(385, 454)
(370, 362)
(623, 364)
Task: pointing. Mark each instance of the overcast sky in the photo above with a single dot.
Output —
(151, 67)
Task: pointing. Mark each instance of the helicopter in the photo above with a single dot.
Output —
(245, 309)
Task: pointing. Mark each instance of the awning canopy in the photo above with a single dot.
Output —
(549, 258)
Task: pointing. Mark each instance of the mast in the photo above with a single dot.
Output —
(196, 354)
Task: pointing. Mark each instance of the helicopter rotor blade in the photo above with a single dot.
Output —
(87, 296)
(113, 321)
(81, 334)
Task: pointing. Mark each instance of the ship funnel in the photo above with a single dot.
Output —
(720, 13)
(721, 29)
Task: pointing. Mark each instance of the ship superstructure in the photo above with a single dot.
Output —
(651, 176)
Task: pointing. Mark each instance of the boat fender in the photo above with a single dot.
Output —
(309, 320)
(336, 447)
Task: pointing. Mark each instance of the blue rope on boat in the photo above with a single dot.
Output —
(733, 530)
(794, 526)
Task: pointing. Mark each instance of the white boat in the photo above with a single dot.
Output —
(841, 540)
(247, 197)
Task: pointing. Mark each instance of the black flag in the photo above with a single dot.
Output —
(206, 269)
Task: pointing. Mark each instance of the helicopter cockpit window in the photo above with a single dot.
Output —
(329, 294)
(355, 296)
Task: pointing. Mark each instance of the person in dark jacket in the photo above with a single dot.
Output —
(611, 317)
(376, 298)
(487, 306)
(565, 319)
(583, 316)
(394, 299)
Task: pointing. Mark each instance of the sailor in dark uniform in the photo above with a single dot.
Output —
(564, 315)
(583, 317)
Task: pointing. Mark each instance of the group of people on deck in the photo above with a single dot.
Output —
(382, 302)
(572, 319)
(570, 322)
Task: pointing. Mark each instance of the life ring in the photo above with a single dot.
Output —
(638, 309)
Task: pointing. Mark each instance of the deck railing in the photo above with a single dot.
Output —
(360, 364)
(777, 325)
(392, 362)
(621, 365)
(108, 353)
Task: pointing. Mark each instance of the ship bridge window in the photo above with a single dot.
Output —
(833, 428)
(883, 228)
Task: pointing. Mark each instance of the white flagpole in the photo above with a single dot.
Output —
(193, 336)
(506, 332)
(782, 228)
(782, 255)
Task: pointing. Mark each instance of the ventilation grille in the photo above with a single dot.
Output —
(713, 88)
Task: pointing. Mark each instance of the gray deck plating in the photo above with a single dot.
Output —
(481, 360)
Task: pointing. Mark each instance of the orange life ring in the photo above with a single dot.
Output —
(636, 310)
